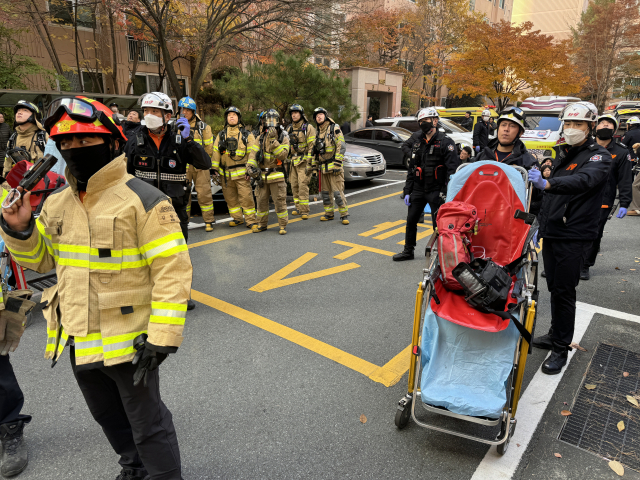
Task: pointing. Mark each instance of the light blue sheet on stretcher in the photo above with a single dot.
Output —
(465, 370)
(458, 179)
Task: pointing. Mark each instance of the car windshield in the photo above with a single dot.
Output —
(543, 122)
(453, 126)
(403, 133)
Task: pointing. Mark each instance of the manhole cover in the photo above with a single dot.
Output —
(593, 425)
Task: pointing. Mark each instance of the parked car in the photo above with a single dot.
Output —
(361, 163)
(455, 132)
(386, 140)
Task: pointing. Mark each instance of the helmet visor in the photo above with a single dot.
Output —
(515, 111)
(81, 111)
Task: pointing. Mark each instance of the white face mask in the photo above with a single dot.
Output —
(486, 119)
(152, 122)
(573, 136)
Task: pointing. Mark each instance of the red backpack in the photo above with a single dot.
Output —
(456, 222)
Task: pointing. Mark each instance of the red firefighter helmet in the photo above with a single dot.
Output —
(82, 115)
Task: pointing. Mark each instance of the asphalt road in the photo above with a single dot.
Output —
(290, 346)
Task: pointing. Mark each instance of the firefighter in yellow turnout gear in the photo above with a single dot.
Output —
(302, 136)
(201, 179)
(124, 277)
(233, 149)
(267, 170)
(29, 139)
(328, 155)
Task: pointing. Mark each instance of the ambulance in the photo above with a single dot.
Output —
(543, 124)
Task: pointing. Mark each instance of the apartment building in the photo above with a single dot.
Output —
(551, 17)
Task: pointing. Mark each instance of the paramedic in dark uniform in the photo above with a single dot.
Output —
(569, 221)
(432, 161)
(620, 179)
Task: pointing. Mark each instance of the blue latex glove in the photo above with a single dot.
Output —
(406, 200)
(622, 212)
(536, 242)
(187, 129)
(478, 148)
(535, 177)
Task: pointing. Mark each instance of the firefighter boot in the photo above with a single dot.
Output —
(326, 218)
(257, 228)
(558, 359)
(15, 456)
(406, 254)
(208, 227)
(283, 231)
(235, 223)
(304, 216)
(190, 304)
(345, 220)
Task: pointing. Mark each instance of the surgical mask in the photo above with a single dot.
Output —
(486, 119)
(426, 127)
(605, 133)
(84, 162)
(573, 136)
(152, 122)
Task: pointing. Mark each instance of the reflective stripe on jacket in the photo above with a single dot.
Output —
(122, 264)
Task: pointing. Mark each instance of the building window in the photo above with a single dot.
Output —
(472, 5)
(501, 4)
(90, 83)
(63, 12)
(407, 65)
(147, 52)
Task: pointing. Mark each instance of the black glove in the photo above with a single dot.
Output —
(148, 357)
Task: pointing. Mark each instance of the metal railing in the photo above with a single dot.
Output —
(147, 52)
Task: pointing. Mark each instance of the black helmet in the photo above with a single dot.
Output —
(235, 110)
(272, 118)
(298, 108)
(29, 106)
(320, 110)
(113, 104)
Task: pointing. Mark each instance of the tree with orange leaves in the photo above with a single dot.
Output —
(505, 62)
(606, 42)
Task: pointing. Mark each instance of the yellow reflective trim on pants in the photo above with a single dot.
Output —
(166, 320)
(208, 141)
(282, 214)
(235, 210)
(205, 208)
(181, 307)
(249, 211)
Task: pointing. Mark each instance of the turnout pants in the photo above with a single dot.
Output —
(11, 397)
(278, 191)
(136, 422)
(563, 261)
(239, 198)
(202, 182)
(300, 187)
(593, 252)
(333, 188)
(418, 202)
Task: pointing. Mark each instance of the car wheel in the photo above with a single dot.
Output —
(405, 162)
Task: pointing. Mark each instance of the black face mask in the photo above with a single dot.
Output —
(426, 127)
(604, 133)
(84, 162)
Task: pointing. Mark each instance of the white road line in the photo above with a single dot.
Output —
(534, 401)
(193, 226)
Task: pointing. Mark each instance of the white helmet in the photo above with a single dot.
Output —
(515, 115)
(580, 111)
(633, 121)
(428, 112)
(156, 100)
(486, 113)
(612, 118)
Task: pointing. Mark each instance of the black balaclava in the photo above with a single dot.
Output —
(604, 133)
(84, 162)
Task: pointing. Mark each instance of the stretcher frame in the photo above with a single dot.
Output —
(406, 409)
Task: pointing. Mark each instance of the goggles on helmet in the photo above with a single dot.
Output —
(83, 112)
(516, 112)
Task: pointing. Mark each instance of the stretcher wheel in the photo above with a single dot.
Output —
(403, 415)
(502, 448)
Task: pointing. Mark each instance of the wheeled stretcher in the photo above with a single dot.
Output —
(465, 363)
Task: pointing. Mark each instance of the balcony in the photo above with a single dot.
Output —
(147, 52)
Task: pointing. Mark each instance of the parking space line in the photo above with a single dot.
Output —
(381, 228)
(394, 369)
(355, 248)
(247, 232)
(305, 341)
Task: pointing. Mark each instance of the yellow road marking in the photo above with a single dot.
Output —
(381, 228)
(391, 233)
(423, 234)
(274, 225)
(305, 341)
(355, 248)
(394, 369)
(278, 279)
